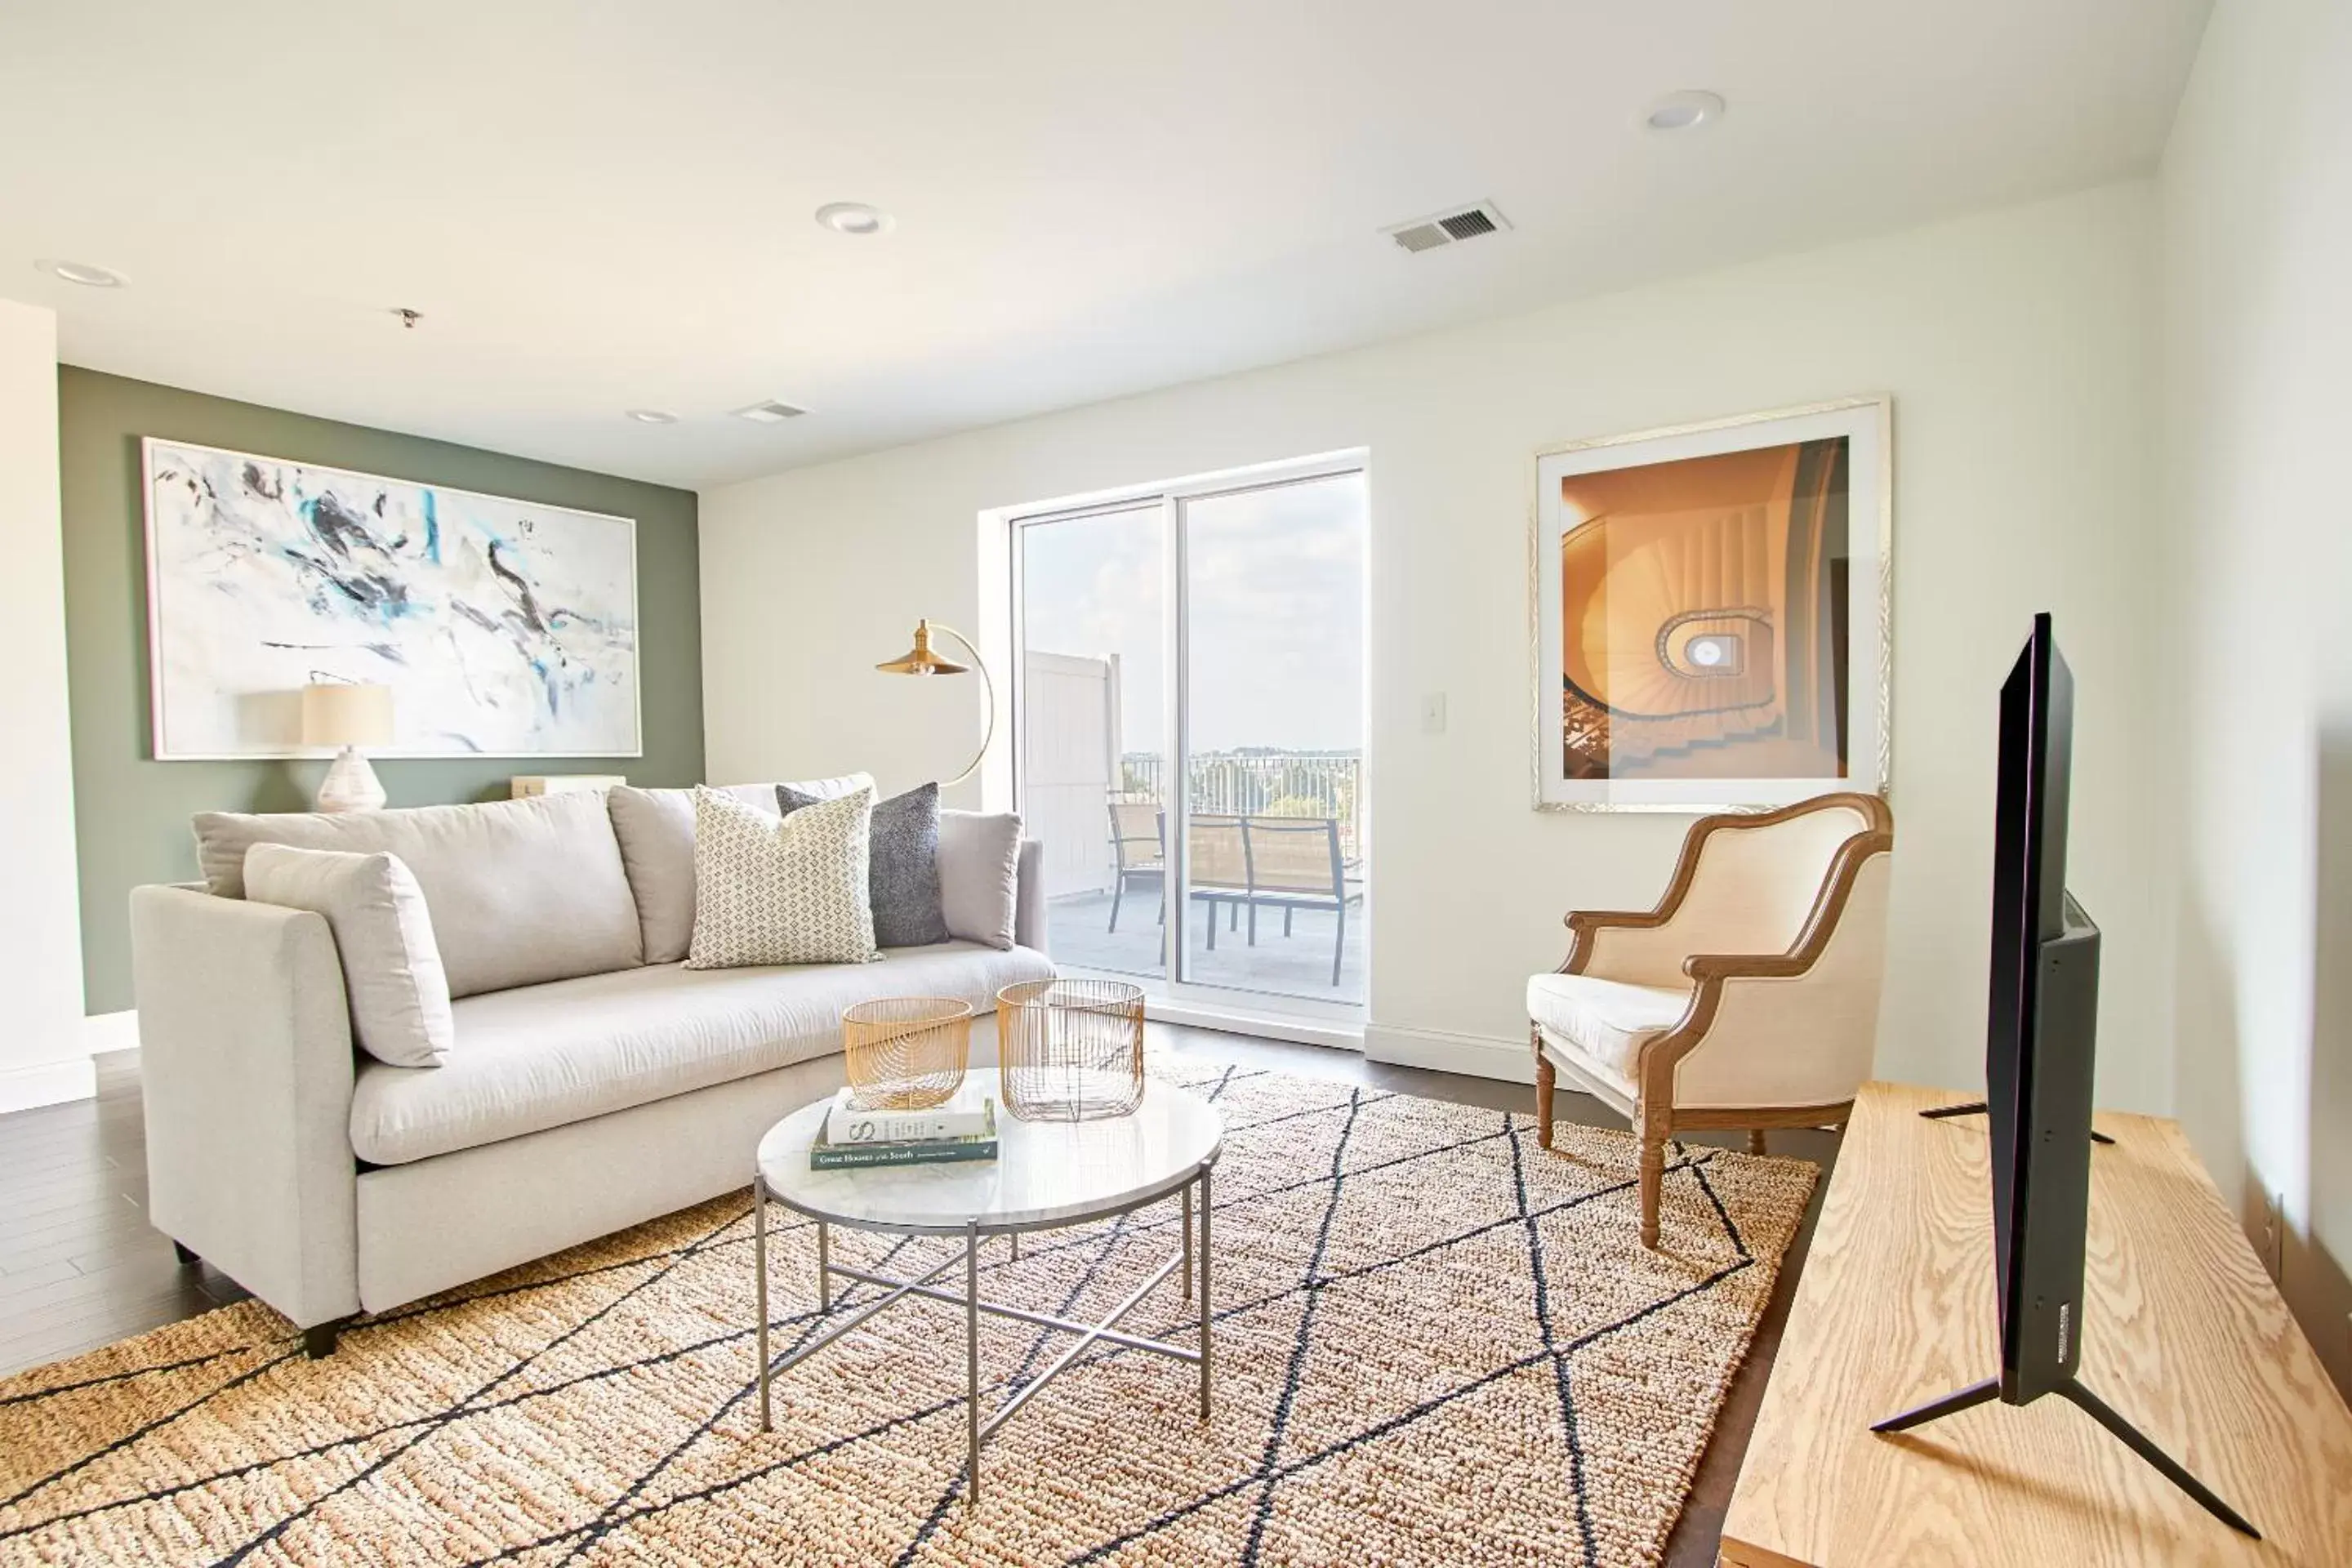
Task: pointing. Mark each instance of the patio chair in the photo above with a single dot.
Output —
(1294, 863)
(1217, 866)
(1140, 849)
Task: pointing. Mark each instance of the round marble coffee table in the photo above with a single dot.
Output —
(1047, 1175)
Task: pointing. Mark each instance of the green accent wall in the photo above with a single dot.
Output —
(130, 812)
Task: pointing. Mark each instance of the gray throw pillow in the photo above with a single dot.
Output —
(903, 871)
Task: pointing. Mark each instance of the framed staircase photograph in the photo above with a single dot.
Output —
(1709, 609)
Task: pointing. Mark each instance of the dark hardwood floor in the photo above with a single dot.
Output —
(80, 1267)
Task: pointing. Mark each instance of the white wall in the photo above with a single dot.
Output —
(2256, 188)
(43, 1055)
(2017, 346)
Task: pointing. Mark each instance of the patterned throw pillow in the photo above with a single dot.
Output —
(903, 879)
(781, 891)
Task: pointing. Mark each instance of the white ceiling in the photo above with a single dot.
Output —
(599, 206)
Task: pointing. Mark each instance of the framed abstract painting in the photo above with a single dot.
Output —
(505, 629)
(1709, 607)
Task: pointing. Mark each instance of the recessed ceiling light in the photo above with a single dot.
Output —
(653, 415)
(83, 273)
(1684, 111)
(854, 217)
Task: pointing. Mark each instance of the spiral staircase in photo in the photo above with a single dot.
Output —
(1674, 634)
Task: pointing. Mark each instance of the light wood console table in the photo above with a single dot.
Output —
(2183, 1333)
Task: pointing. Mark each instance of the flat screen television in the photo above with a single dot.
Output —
(2042, 1026)
(2041, 1030)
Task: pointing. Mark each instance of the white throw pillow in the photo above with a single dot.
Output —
(770, 890)
(393, 978)
(979, 875)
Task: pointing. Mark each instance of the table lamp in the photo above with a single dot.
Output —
(920, 660)
(348, 716)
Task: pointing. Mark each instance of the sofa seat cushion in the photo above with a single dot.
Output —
(546, 1055)
(1610, 1020)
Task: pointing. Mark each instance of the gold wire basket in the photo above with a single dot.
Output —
(1071, 1050)
(906, 1053)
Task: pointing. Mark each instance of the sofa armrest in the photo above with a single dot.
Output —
(246, 1069)
(1029, 897)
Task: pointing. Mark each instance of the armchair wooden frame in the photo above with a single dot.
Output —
(1653, 1111)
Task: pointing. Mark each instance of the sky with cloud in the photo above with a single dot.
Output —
(1278, 613)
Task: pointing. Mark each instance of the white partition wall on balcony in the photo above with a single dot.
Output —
(1068, 709)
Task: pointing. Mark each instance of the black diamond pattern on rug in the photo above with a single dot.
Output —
(1435, 1342)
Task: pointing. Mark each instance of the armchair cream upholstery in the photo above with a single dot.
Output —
(1747, 998)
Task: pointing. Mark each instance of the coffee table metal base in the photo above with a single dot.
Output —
(977, 1428)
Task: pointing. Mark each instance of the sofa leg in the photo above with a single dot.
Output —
(319, 1340)
(1756, 1141)
(1547, 1078)
(187, 1259)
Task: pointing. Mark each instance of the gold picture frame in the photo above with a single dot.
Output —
(1666, 695)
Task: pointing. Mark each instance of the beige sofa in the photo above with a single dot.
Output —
(588, 1089)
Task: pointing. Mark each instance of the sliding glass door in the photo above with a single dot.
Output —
(1091, 710)
(1189, 706)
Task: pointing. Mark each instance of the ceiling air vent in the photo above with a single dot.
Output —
(1448, 228)
(770, 413)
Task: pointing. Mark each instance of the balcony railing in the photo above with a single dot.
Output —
(1258, 783)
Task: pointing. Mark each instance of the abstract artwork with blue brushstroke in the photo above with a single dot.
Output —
(506, 628)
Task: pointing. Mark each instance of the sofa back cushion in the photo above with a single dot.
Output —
(521, 892)
(656, 830)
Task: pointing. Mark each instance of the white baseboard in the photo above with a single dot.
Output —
(47, 1083)
(1301, 1028)
(1479, 1056)
(103, 1032)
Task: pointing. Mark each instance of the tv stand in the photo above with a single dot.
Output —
(2073, 1392)
(1979, 1108)
(2181, 1329)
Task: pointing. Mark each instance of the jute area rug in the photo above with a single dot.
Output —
(1435, 1344)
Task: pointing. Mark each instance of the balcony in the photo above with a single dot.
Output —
(1276, 852)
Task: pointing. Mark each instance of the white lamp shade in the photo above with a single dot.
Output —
(341, 715)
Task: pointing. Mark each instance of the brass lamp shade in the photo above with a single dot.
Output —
(920, 660)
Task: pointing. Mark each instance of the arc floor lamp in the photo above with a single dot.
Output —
(921, 660)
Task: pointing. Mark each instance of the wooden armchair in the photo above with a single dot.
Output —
(1747, 998)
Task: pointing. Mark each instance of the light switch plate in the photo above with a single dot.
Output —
(1433, 712)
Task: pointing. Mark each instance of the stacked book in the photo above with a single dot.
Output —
(960, 1128)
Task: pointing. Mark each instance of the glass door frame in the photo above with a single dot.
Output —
(1173, 998)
